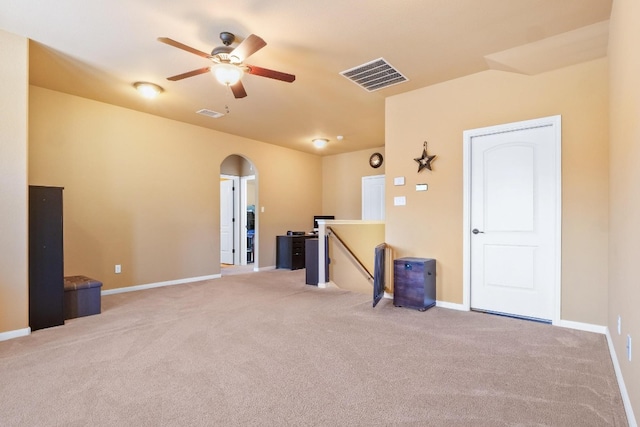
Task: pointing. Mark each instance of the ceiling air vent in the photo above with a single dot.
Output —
(375, 75)
(210, 113)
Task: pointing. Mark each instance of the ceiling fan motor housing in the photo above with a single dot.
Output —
(227, 38)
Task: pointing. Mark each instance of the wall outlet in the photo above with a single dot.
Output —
(619, 325)
(629, 347)
(118, 269)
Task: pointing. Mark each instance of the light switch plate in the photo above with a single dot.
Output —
(422, 187)
(399, 201)
(398, 180)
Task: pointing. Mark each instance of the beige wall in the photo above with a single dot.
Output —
(624, 211)
(430, 225)
(142, 191)
(361, 239)
(13, 183)
(342, 182)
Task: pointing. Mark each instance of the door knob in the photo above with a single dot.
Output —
(476, 231)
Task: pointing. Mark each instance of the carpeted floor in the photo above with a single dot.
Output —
(264, 349)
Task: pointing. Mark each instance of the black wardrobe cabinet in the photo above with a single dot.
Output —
(46, 262)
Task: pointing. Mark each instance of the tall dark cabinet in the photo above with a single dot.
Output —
(311, 248)
(46, 260)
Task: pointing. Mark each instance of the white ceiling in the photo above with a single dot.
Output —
(99, 48)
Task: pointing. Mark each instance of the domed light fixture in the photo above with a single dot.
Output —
(227, 74)
(148, 90)
(320, 142)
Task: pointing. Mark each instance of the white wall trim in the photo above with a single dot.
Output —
(329, 284)
(451, 305)
(623, 388)
(159, 284)
(587, 327)
(267, 268)
(15, 334)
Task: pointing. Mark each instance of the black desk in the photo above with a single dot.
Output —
(290, 251)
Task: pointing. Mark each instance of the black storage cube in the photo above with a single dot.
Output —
(414, 283)
(81, 296)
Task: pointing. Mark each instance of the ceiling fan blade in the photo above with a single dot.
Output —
(238, 90)
(248, 47)
(189, 74)
(182, 46)
(264, 72)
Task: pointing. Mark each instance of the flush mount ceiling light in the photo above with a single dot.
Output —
(227, 74)
(320, 142)
(148, 90)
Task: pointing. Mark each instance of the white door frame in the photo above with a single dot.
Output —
(243, 218)
(468, 135)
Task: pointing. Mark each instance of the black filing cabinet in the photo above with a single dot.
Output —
(46, 262)
(414, 283)
(290, 251)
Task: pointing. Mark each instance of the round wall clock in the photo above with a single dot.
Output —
(375, 161)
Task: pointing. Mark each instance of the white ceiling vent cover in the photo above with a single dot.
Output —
(375, 75)
(210, 113)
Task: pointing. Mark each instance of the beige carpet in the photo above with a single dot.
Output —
(265, 349)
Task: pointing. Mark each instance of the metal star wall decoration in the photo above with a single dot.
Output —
(424, 162)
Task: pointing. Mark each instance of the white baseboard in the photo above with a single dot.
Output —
(588, 327)
(623, 388)
(451, 305)
(14, 334)
(159, 284)
(267, 268)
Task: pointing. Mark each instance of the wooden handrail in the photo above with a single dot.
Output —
(369, 275)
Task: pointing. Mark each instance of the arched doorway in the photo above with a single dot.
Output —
(238, 215)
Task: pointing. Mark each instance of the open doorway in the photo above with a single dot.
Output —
(238, 216)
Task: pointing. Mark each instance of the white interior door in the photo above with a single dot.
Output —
(515, 220)
(226, 221)
(373, 198)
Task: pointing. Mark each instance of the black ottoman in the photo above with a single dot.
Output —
(81, 296)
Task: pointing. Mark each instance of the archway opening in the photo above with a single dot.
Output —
(238, 215)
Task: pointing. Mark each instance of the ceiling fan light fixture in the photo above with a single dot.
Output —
(320, 142)
(148, 90)
(227, 74)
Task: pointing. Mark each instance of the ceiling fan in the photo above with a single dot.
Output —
(228, 62)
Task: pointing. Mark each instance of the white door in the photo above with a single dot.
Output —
(226, 221)
(373, 198)
(515, 218)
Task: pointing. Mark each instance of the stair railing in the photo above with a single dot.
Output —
(332, 232)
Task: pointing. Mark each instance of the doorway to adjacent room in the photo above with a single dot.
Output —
(238, 216)
(512, 219)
